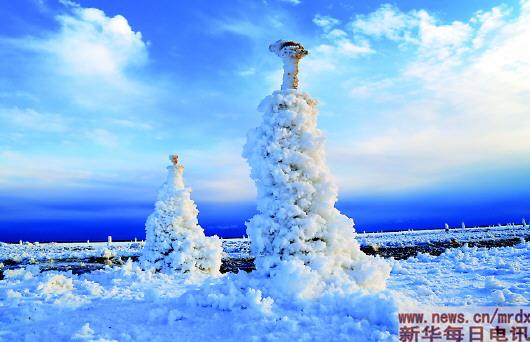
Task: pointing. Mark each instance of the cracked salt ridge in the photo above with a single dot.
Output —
(81, 258)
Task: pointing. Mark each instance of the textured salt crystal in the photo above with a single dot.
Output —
(297, 220)
(174, 239)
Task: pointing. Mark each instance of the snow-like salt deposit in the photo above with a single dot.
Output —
(174, 239)
(131, 304)
(56, 284)
(461, 235)
(57, 253)
(490, 276)
(85, 333)
(298, 233)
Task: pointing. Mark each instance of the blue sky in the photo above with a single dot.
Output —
(426, 108)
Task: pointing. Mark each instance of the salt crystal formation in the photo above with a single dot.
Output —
(297, 222)
(291, 53)
(174, 239)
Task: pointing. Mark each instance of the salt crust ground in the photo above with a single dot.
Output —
(128, 304)
(238, 248)
(461, 235)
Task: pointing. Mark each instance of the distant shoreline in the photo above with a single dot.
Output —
(359, 233)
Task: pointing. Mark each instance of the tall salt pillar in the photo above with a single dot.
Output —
(297, 228)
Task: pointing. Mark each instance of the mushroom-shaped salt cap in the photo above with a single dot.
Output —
(174, 159)
(175, 170)
(291, 53)
(288, 48)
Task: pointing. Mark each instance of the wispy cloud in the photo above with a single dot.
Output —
(386, 22)
(293, 2)
(326, 22)
(247, 72)
(231, 181)
(415, 99)
(102, 137)
(240, 27)
(90, 43)
(35, 171)
(30, 119)
(75, 91)
(457, 105)
(137, 125)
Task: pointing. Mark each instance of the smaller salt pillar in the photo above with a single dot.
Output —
(175, 242)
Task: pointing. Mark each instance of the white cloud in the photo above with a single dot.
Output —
(325, 22)
(137, 125)
(79, 86)
(416, 27)
(88, 59)
(458, 106)
(294, 2)
(441, 41)
(347, 48)
(241, 25)
(369, 88)
(231, 180)
(247, 72)
(90, 43)
(36, 170)
(102, 137)
(81, 70)
(24, 171)
(336, 34)
(28, 118)
(325, 58)
(489, 22)
(341, 48)
(458, 101)
(335, 48)
(388, 21)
